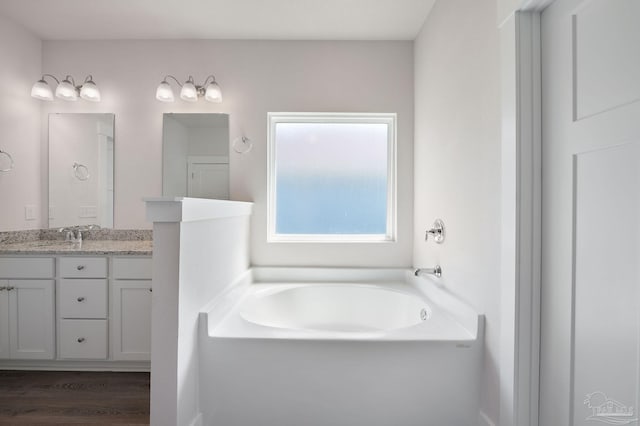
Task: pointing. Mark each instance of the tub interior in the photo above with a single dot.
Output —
(336, 305)
(345, 308)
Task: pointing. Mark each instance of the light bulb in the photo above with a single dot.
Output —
(41, 90)
(66, 91)
(90, 92)
(189, 92)
(213, 93)
(164, 92)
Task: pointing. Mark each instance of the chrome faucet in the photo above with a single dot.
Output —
(74, 233)
(436, 271)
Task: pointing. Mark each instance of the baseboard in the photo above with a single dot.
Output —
(197, 421)
(55, 365)
(485, 420)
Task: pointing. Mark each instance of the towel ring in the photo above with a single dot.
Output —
(242, 145)
(11, 163)
(81, 171)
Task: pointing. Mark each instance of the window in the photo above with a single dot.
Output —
(331, 177)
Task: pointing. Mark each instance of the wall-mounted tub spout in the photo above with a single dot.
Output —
(437, 271)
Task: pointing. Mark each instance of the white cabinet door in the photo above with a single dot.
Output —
(4, 319)
(31, 320)
(131, 320)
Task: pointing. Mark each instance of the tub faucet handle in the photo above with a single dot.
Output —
(436, 231)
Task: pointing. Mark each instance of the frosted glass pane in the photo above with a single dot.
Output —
(331, 178)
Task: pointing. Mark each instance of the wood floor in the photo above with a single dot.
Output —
(73, 398)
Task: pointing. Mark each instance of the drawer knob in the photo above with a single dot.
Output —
(2, 288)
(150, 290)
(10, 288)
(80, 299)
(80, 339)
(80, 267)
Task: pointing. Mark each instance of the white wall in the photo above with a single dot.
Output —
(256, 77)
(20, 67)
(215, 253)
(457, 161)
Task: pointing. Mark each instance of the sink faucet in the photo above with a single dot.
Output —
(74, 233)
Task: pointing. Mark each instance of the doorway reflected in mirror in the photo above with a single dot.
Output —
(195, 156)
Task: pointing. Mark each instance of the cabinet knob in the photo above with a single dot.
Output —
(10, 288)
(80, 339)
(150, 290)
(80, 267)
(2, 288)
(80, 299)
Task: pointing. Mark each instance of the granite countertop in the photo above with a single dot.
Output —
(97, 242)
(100, 247)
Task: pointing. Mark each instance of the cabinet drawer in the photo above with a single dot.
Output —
(132, 268)
(83, 339)
(83, 267)
(82, 298)
(26, 267)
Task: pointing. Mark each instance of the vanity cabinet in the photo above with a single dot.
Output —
(77, 311)
(27, 325)
(131, 309)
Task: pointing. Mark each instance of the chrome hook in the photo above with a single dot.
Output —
(9, 159)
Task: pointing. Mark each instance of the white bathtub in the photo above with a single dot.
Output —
(336, 353)
(332, 310)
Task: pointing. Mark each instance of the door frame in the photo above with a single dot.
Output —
(521, 211)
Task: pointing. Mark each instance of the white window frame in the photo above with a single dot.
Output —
(389, 119)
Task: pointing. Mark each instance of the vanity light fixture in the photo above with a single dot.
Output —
(66, 89)
(189, 91)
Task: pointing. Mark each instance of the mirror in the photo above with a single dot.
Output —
(195, 156)
(81, 170)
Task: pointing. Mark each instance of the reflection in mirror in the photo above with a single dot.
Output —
(81, 170)
(195, 156)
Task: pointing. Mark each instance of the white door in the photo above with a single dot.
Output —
(4, 320)
(31, 320)
(590, 297)
(208, 177)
